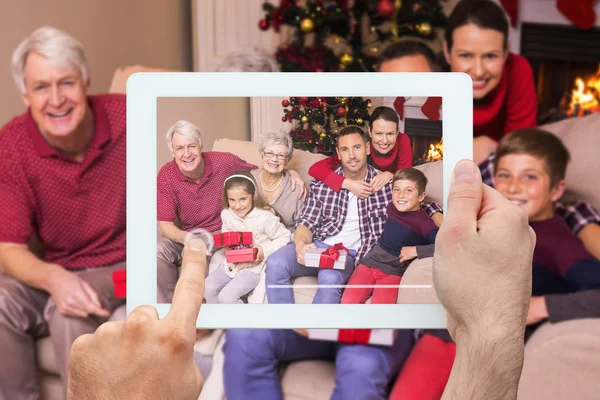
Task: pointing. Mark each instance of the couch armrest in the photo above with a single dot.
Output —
(119, 81)
(561, 361)
(419, 272)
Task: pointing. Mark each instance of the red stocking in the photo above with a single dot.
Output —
(579, 12)
(431, 108)
(399, 106)
(512, 9)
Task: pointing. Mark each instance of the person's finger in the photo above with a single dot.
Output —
(464, 199)
(91, 294)
(73, 311)
(80, 299)
(189, 290)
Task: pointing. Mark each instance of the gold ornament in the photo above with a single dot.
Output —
(304, 119)
(369, 105)
(307, 25)
(322, 135)
(424, 29)
(359, 121)
(346, 59)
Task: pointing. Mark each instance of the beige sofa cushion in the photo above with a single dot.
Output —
(582, 138)
(433, 172)
(308, 380)
(119, 81)
(561, 362)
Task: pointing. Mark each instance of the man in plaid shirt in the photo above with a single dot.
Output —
(329, 218)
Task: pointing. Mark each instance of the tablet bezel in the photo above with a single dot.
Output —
(143, 90)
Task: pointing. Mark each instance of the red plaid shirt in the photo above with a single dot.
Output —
(325, 212)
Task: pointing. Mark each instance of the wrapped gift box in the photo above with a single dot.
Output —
(331, 258)
(380, 337)
(119, 282)
(241, 255)
(233, 239)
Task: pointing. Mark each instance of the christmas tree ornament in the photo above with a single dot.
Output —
(341, 111)
(385, 8)
(285, 103)
(353, 30)
(346, 59)
(359, 121)
(304, 119)
(263, 24)
(322, 135)
(307, 25)
(284, 118)
(424, 29)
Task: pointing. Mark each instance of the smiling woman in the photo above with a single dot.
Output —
(504, 98)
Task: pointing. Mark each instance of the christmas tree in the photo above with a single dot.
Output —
(335, 36)
(317, 120)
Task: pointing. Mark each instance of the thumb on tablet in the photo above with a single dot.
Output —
(464, 199)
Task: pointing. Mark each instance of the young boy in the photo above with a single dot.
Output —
(530, 171)
(408, 233)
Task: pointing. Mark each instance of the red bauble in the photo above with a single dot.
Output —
(303, 100)
(368, 100)
(284, 118)
(341, 111)
(385, 8)
(285, 103)
(263, 24)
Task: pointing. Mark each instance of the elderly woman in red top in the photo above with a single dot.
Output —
(504, 97)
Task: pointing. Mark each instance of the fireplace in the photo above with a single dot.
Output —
(558, 54)
(424, 135)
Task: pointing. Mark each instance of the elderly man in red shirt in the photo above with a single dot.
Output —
(189, 189)
(63, 179)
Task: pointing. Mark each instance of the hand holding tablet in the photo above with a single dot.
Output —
(144, 357)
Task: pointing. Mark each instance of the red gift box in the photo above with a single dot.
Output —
(119, 278)
(381, 337)
(241, 255)
(233, 239)
(333, 257)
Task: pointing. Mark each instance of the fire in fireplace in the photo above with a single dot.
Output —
(559, 55)
(585, 97)
(435, 152)
(425, 138)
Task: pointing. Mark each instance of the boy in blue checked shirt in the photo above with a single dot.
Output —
(530, 168)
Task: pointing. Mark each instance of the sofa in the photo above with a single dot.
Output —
(559, 358)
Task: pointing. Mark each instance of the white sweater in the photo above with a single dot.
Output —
(267, 232)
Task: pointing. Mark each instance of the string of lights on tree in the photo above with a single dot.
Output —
(316, 121)
(344, 35)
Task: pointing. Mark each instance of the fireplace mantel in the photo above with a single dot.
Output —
(539, 11)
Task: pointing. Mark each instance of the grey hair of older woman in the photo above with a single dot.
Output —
(275, 138)
(249, 60)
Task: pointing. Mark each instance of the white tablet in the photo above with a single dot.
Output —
(146, 94)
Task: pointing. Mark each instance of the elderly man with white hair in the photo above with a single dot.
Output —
(63, 180)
